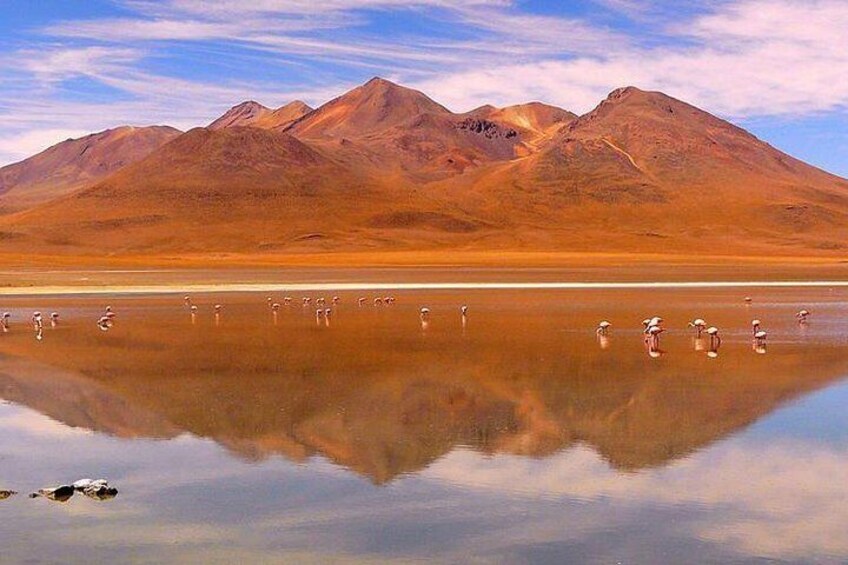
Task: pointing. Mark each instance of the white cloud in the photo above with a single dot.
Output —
(754, 58)
(788, 512)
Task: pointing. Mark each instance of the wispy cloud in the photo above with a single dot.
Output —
(752, 58)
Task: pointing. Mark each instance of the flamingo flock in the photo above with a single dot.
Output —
(652, 328)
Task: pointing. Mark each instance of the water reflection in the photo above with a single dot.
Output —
(534, 414)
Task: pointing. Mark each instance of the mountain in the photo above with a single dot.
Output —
(384, 167)
(646, 172)
(405, 134)
(244, 114)
(230, 189)
(75, 163)
(253, 114)
(531, 117)
(375, 106)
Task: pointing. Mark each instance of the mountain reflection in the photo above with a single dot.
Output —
(374, 394)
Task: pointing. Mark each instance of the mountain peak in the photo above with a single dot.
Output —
(243, 114)
(377, 105)
(381, 82)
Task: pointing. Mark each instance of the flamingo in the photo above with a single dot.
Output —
(287, 300)
(425, 317)
(748, 300)
(54, 319)
(463, 310)
(654, 333)
(603, 328)
(336, 300)
(715, 339)
(699, 325)
(36, 319)
(802, 316)
(378, 301)
(187, 300)
(4, 321)
(275, 307)
(361, 301)
(104, 323)
(759, 335)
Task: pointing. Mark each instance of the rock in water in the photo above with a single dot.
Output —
(83, 484)
(100, 492)
(4, 494)
(61, 493)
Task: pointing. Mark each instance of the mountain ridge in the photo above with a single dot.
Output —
(385, 168)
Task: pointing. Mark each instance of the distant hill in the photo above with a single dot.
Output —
(253, 114)
(75, 163)
(384, 167)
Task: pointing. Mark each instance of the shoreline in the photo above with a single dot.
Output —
(399, 286)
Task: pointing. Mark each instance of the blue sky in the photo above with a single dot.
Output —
(777, 67)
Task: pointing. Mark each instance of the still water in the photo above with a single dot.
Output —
(518, 438)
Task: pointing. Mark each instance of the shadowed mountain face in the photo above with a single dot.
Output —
(374, 393)
(75, 163)
(387, 168)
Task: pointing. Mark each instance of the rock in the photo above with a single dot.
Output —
(100, 492)
(61, 493)
(4, 494)
(83, 484)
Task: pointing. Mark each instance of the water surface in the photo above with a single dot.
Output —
(520, 437)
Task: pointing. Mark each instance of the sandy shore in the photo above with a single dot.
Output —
(31, 275)
(401, 286)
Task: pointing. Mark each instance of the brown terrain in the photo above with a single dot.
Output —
(384, 170)
(254, 114)
(76, 163)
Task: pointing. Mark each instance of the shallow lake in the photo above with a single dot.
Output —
(518, 436)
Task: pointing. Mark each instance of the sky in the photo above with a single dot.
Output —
(779, 68)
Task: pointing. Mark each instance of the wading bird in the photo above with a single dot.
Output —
(759, 335)
(603, 328)
(715, 339)
(104, 323)
(699, 326)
